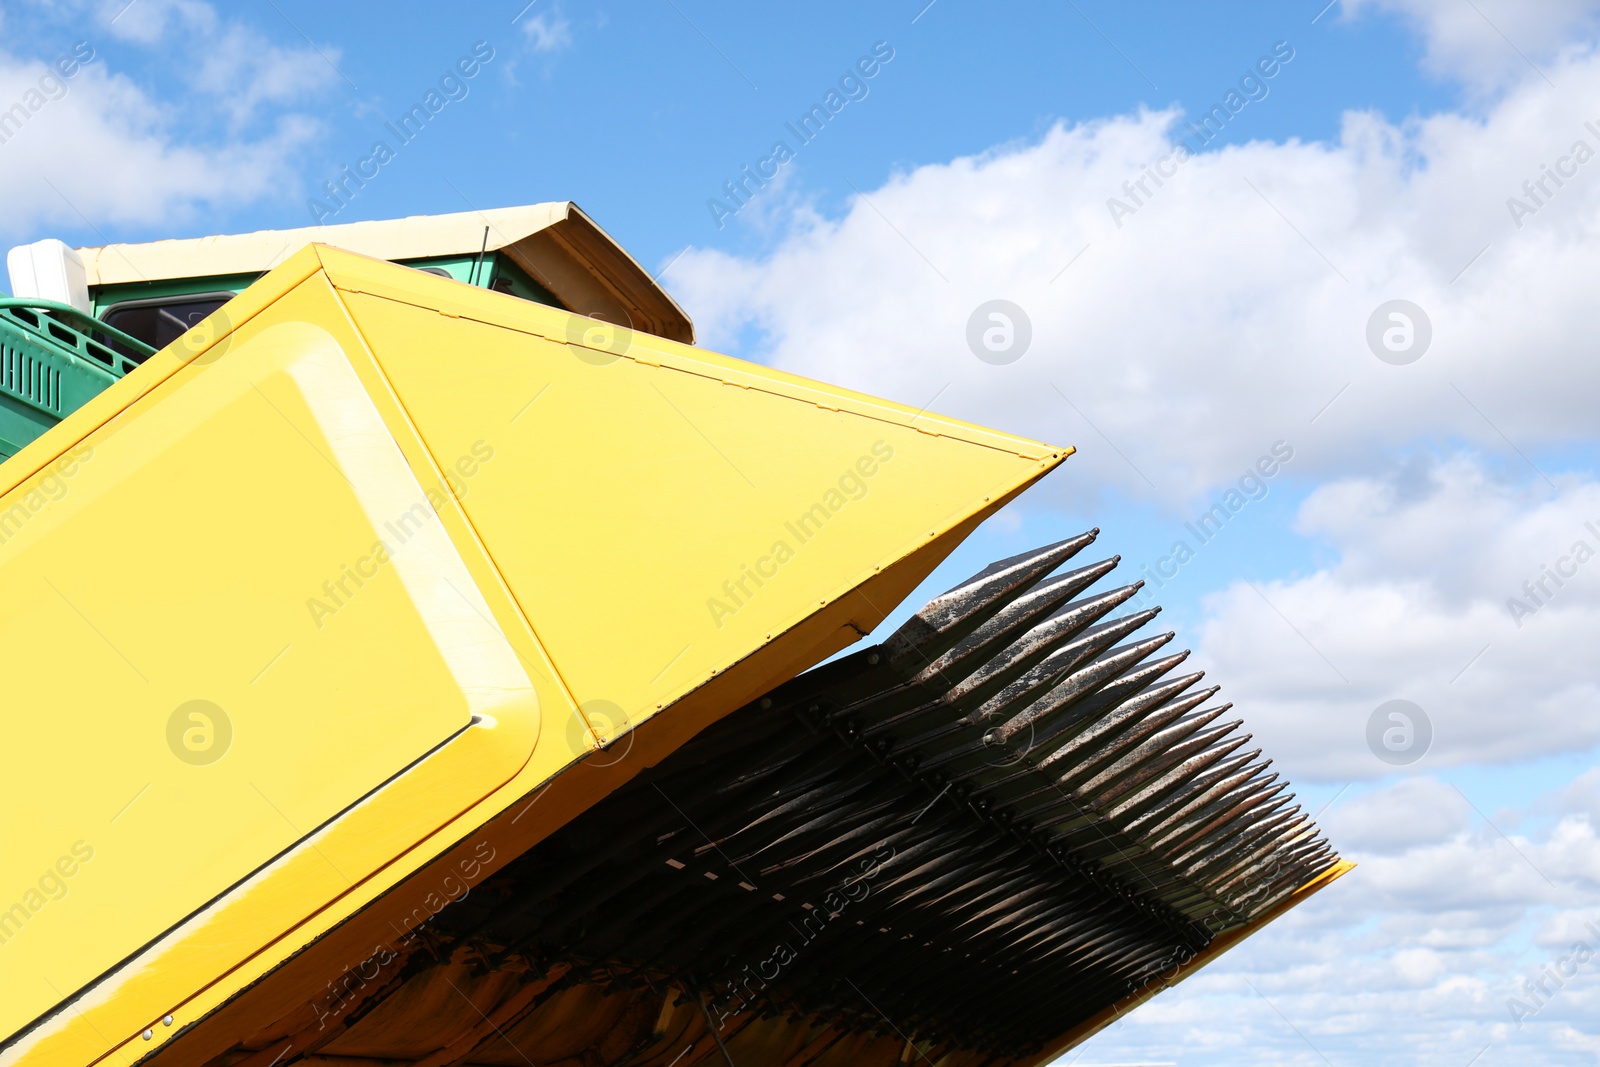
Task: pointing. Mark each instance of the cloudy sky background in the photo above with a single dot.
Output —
(1173, 345)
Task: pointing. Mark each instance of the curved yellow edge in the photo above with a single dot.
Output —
(590, 503)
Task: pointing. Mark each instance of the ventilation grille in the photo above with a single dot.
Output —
(30, 379)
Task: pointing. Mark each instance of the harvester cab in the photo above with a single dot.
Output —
(411, 643)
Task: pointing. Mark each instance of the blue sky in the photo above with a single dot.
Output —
(652, 107)
(1173, 345)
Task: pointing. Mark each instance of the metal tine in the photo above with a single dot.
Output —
(1284, 886)
(1023, 779)
(1083, 956)
(1169, 784)
(1082, 900)
(811, 843)
(1074, 835)
(1029, 890)
(978, 755)
(1273, 892)
(1049, 642)
(1234, 774)
(1175, 749)
(1143, 742)
(1246, 802)
(1247, 833)
(926, 839)
(1304, 861)
(1043, 919)
(1220, 870)
(1011, 622)
(1217, 865)
(1247, 861)
(968, 873)
(871, 829)
(918, 861)
(1147, 819)
(847, 856)
(1244, 810)
(1298, 847)
(1092, 738)
(1066, 925)
(1297, 863)
(1093, 759)
(730, 774)
(1058, 729)
(1004, 879)
(953, 615)
(825, 830)
(1068, 628)
(1073, 922)
(1261, 857)
(1078, 685)
(831, 791)
(947, 891)
(1040, 667)
(911, 838)
(1111, 948)
(1074, 916)
(1246, 830)
(937, 914)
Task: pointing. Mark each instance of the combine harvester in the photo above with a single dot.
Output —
(410, 634)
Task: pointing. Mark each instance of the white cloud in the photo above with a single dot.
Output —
(246, 72)
(547, 32)
(235, 68)
(1487, 42)
(1210, 323)
(107, 153)
(1425, 560)
(109, 150)
(1225, 313)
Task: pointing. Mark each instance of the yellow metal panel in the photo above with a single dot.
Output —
(230, 615)
(576, 545)
(715, 505)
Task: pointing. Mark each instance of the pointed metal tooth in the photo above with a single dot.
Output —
(1011, 622)
(1235, 774)
(1150, 816)
(1039, 658)
(1091, 738)
(1230, 881)
(1061, 642)
(1088, 710)
(1210, 858)
(1092, 760)
(951, 616)
(1078, 684)
(1237, 835)
(1169, 748)
(1012, 740)
(1170, 782)
(1216, 868)
(1238, 806)
(1207, 744)
(1179, 835)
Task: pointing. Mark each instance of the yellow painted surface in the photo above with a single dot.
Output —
(531, 525)
(164, 564)
(731, 508)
